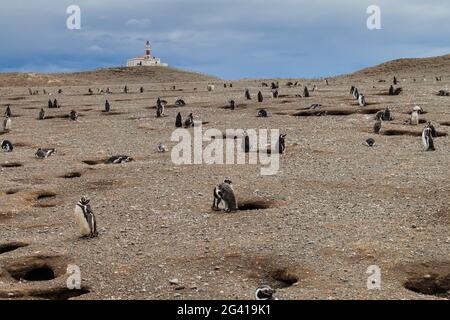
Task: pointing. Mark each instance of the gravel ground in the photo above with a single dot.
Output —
(335, 207)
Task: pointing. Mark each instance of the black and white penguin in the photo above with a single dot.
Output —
(265, 293)
(433, 130)
(391, 90)
(362, 100)
(73, 115)
(262, 113)
(141, 90)
(315, 106)
(189, 123)
(427, 139)
(55, 104)
(45, 153)
(85, 218)
(281, 144)
(7, 146)
(225, 192)
(118, 159)
(395, 81)
(377, 126)
(41, 114)
(260, 97)
(247, 94)
(125, 89)
(7, 124)
(90, 91)
(275, 93)
(387, 116)
(180, 103)
(8, 111)
(50, 104)
(232, 104)
(352, 90)
(370, 142)
(179, 121)
(161, 148)
(305, 92)
(107, 106)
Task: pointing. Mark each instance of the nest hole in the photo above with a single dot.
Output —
(62, 294)
(12, 165)
(72, 175)
(435, 285)
(11, 191)
(248, 205)
(8, 247)
(283, 278)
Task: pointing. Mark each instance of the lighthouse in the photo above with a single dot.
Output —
(147, 60)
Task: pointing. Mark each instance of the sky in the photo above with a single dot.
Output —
(231, 39)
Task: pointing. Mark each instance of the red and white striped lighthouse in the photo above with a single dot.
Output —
(148, 50)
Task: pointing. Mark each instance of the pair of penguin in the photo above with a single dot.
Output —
(225, 192)
(53, 104)
(280, 146)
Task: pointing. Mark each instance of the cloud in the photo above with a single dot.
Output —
(138, 23)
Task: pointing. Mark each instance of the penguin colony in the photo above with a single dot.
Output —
(224, 196)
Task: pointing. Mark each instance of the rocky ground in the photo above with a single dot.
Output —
(335, 207)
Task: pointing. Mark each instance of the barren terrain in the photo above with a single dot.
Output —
(335, 208)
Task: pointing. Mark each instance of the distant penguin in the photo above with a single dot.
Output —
(118, 159)
(247, 94)
(179, 121)
(107, 106)
(262, 113)
(189, 123)
(55, 104)
(260, 97)
(125, 89)
(73, 115)
(395, 81)
(352, 90)
(161, 148)
(427, 139)
(180, 103)
(224, 192)
(90, 91)
(265, 293)
(281, 144)
(8, 113)
(362, 100)
(7, 146)
(418, 109)
(391, 90)
(60, 91)
(246, 142)
(44, 153)
(141, 90)
(41, 114)
(377, 126)
(275, 94)
(85, 218)
(434, 133)
(50, 104)
(370, 142)
(7, 124)
(315, 106)
(305, 92)
(232, 105)
(415, 118)
(387, 115)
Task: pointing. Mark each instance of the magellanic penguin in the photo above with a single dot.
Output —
(260, 97)
(262, 113)
(189, 123)
(305, 92)
(161, 148)
(415, 118)
(427, 139)
(281, 144)
(224, 192)
(265, 293)
(73, 115)
(118, 159)
(179, 121)
(180, 103)
(362, 100)
(7, 124)
(85, 218)
(7, 146)
(8, 113)
(107, 106)
(44, 153)
(247, 94)
(41, 114)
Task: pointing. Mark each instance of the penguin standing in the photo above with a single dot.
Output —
(50, 104)
(7, 146)
(246, 142)
(41, 114)
(386, 116)
(305, 92)
(427, 139)
(260, 97)
(189, 121)
(415, 118)
(362, 100)
(7, 124)
(281, 144)
(141, 90)
(85, 218)
(232, 105)
(179, 121)
(55, 104)
(395, 80)
(377, 126)
(8, 111)
(224, 192)
(391, 90)
(247, 94)
(107, 106)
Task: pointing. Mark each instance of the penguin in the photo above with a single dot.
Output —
(397, 91)
(180, 103)
(7, 124)
(265, 293)
(395, 81)
(262, 113)
(315, 106)
(224, 192)
(189, 123)
(352, 90)
(232, 105)
(41, 114)
(161, 148)
(73, 115)
(8, 111)
(30, 92)
(246, 142)
(433, 130)
(415, 118)
(387, 115)
(247, 94)
(418, 109)
(178, 121)
(427, 139)
(50, 104)
(60, 91)
(370, 142)
(141, 90)
(118, 159)
(281, 143)
(377, 126)
(7, 146)
(107, 106)
(85, 218)
(45, 153)
(391, 90)
(260, 97)
(90, 91)
(125, 90)
(275, 94)
(264, 84)
(362, 100)
(55, 104)
(305, 92)
(160, 111)
(356, 94)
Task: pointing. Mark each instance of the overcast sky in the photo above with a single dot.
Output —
(228, 38)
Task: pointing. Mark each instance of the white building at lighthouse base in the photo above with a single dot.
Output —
(147, 60)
